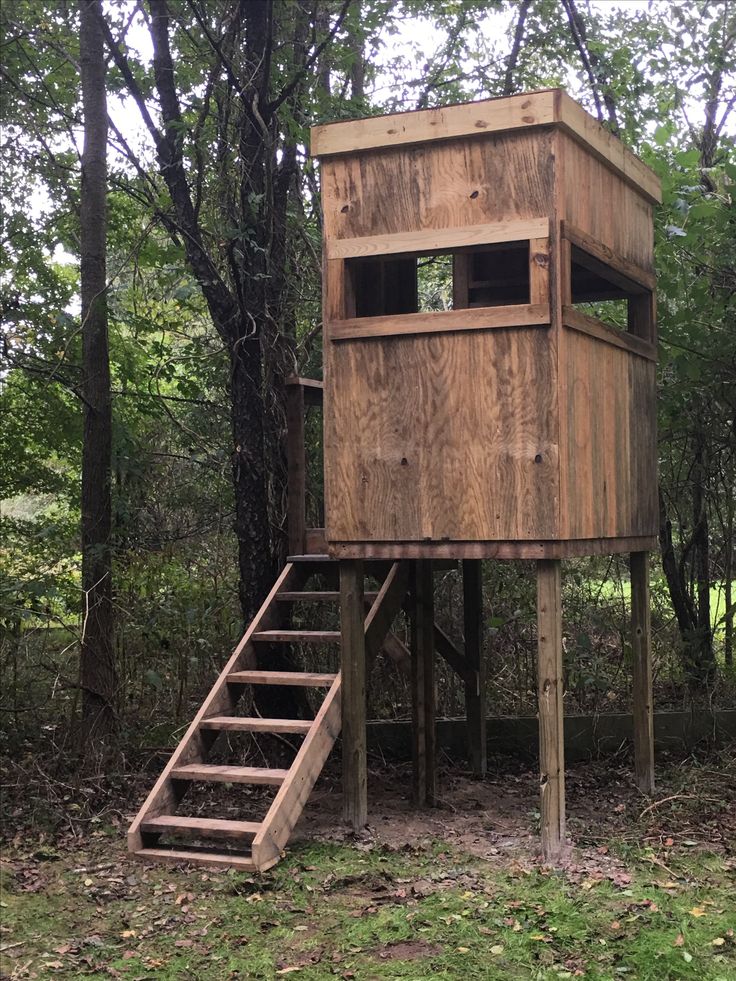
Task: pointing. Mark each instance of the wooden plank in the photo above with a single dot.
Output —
(297, 636)
(539, 262)
(198, 825)
(385, 607)
(164, 796)
(289, 801)
(475, 682)
(236, 723)
(180, 856)
(296, 468)
(550, 694)
(315, 541)
(313, 388)
(557, 549)
(213, 773)
(437, 239)
(353, 659)
(607, 148)
(318, 596)
(304, 679)
(642, 317)
(630, 275)
(440, 321)
(448, 122)
(423, 687)
(581, 322)
(641, 645)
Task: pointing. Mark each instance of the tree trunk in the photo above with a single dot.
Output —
(97, 665)
(251, 512)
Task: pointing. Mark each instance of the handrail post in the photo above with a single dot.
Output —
(296, 467)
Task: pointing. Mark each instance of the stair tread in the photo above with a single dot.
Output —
(317, 557)
(229, 774)
(300, 678)
(310, 636)
(315, 596)
(197, 856)
(242, 724)
(174, 822)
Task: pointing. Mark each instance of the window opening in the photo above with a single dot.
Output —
(481, 276)
(607, 295)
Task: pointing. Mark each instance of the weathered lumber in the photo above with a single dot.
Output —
(550, 693)
(304, 679)
(288, 803)
(475, 681)
(641, 646)
(479, 318)
(354, 759)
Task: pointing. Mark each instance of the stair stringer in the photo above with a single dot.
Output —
(165, 796)
(289, 802)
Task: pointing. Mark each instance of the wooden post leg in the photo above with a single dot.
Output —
(475, 690)
(423, 686)
(354, 761)
(642, 682)
(551, 724)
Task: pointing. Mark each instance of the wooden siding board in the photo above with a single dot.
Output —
(472, 418)
(448, 185)
(524, 112)
(601, 205)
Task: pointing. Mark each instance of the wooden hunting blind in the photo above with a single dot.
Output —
(520, 421)
(489, 353)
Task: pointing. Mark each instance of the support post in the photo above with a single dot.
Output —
(424, 747)
(475, 685)
(551, 723)
(642, 670)
(296, 468)
(354, 760)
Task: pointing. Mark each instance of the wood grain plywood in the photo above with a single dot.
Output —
(442, 438)
(461, 182)
(608, 458)
(604, 206)
(442, 123)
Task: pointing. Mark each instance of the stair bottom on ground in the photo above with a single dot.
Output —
(255, 845)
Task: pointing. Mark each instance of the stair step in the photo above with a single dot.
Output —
(237, 723)
(229, 774)
(296, 678)
(197, 857)
(310, 558)
(315, 597)
(302, 636)
(198, 825)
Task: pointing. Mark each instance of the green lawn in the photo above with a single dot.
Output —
(333, 910)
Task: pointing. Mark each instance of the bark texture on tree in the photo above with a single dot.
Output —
(98, 676)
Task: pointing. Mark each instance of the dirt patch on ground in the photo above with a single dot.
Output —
(497, 818)
(406, 950)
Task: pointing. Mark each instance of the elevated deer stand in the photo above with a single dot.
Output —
(520, 424)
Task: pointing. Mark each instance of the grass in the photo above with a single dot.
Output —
(361, 912)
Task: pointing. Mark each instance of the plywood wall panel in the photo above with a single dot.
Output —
(608, 459)
(445, 185)
(600, 203)
(448, 437)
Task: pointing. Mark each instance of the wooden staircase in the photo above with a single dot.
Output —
(257, 845)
